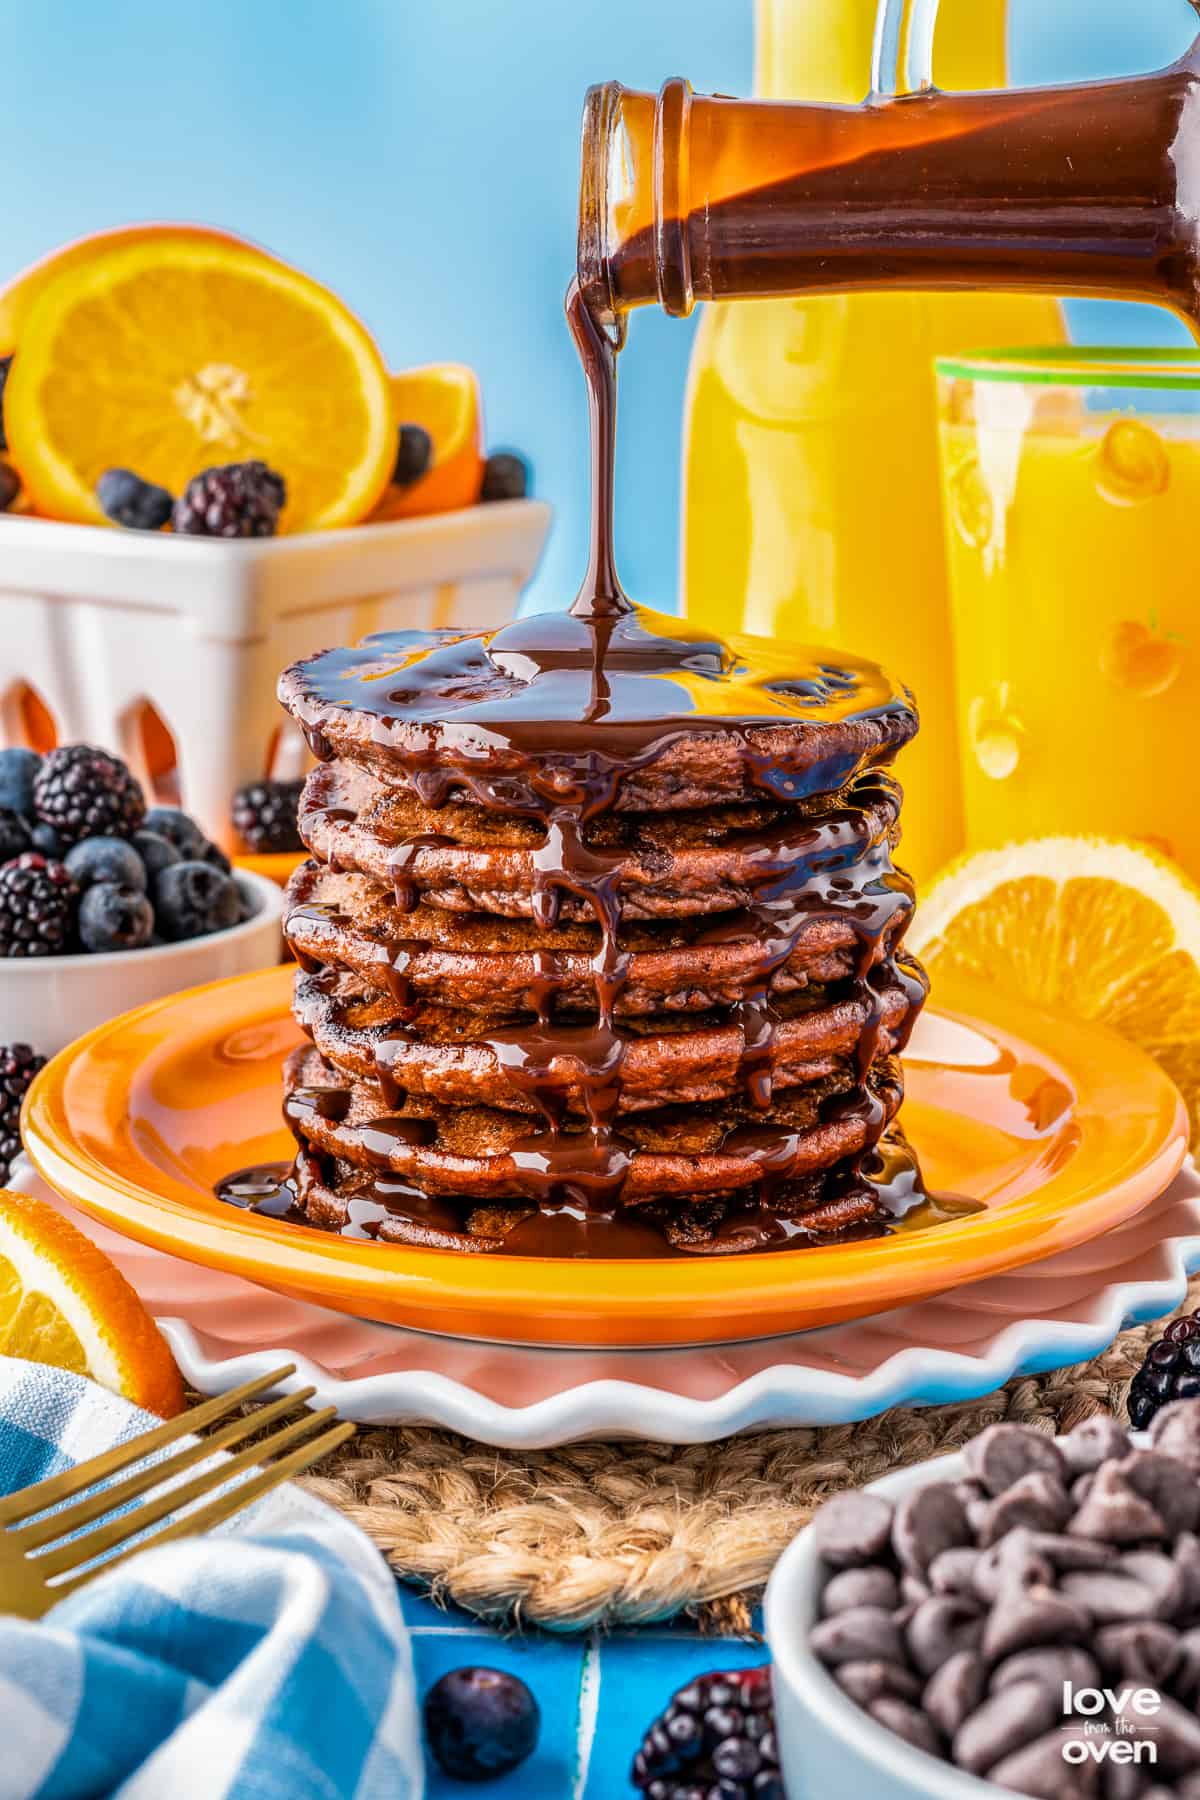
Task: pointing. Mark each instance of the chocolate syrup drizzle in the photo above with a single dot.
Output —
(617, 687)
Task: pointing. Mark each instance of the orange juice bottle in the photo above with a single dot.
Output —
(811, 505)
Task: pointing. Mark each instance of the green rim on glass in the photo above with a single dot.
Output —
(1082, 365)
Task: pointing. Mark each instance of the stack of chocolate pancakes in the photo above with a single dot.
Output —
(600, 942)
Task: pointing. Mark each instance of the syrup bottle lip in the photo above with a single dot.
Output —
(601, 125)
(604, 176)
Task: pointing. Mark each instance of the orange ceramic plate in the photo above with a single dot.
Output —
(1060, 1130)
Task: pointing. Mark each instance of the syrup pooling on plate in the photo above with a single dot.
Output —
(557, 720)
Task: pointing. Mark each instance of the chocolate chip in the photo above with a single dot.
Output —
(853, 1529)
(1002, 1454)
(913, 1590)
(1012, 1562)
(942, 1626)
(1097, 1440)
(1005, 1723)
(864, 1634)
(1113, 1512)
(1082, 1487)
(1176, 1736)
(1052, 1666)
(907, 1723)
(1186, 1681)
(1024, 1617)
(953, 1571)
(871, 1586)
(1167, 1484)
(1176, 1432)
(1070, 1553)
(1161, 1576)
(1187, 1560)
(927, 1521)
(1144, 1654)
(867, 1681)
(955, 1690)
(1037, 1771)
(1110, 1596)
(1037, 1501)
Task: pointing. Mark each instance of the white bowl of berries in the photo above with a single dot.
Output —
(106, 903)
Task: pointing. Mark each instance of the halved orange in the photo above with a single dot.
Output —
(1101, 929)
(175, 352)
(18, 295)
(62, 1302)
(444, 399)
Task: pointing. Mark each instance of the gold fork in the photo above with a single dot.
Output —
(33, 1579)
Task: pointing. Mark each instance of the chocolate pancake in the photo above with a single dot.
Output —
(461, 1059)
(687, 864)
(485, 1153)
(647, 712)
(334, 1195)
(500, 966)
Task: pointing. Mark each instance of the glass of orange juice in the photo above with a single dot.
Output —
(1071, 481)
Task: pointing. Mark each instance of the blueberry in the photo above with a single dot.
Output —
(112, 917)
(17, 770)
(505, 476)
(15, 835)
(192, 898)
(480, 1722)
(178, 829)
(414, 453)
(156, 851)
(48, 843)
(128, 500)
(107, 859)
(213, 853)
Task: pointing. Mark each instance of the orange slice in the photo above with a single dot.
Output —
(17, 297)
(444, 398)
(1102, 929)
(175, 352)
(62, 1302)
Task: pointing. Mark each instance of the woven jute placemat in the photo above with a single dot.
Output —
(605, 1534)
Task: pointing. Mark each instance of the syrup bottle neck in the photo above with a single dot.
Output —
(1086, 189)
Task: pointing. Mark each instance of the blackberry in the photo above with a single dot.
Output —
(414, 453)
(80, 792)
(480, 1722)
(264, 815)
(15, 835)
(19, 1063)
(1170, 1371)
(715, 1741)
(505, 476)
(236, 500)
(5, 367)
(37, 907)
(128, 500)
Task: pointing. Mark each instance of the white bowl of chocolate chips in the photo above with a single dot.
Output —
(1023, 1617)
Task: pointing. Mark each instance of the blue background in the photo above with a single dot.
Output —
(423, 160)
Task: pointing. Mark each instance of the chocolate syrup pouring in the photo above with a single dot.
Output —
(1084, 189)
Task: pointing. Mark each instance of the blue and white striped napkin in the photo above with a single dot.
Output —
(268, 1659)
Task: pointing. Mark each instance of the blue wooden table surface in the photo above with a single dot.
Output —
(597, 1693)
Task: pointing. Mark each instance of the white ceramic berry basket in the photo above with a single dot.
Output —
(99, 623)
(827, 1744)
(48, 1001)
